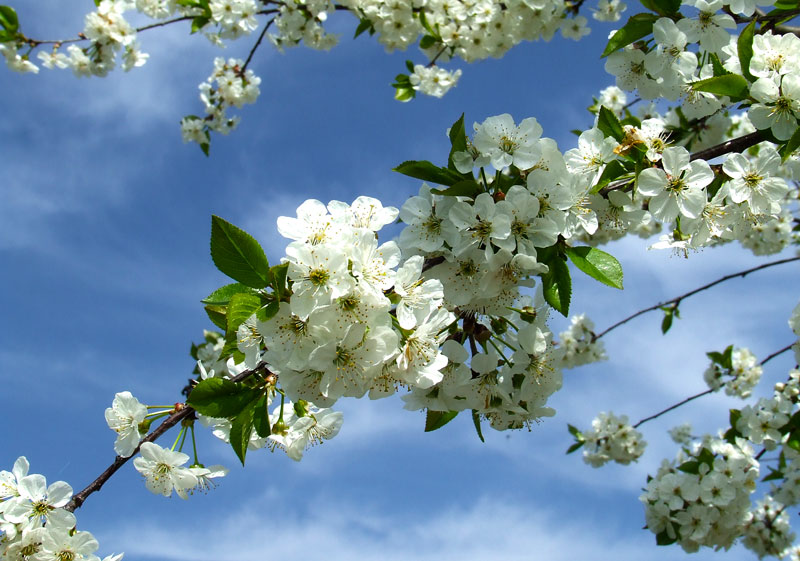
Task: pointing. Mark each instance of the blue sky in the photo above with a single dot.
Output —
(104, 227)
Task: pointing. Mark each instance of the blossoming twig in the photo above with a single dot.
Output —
(677, 300)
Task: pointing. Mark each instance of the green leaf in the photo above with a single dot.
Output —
(612, 171)
(458, 140)
(222, 295)
(638, 26)
(466, 188)
(666, 323)
(217, 315)
(574, 431)
(427, 42)
(199, 23)
(237, 254)
(733, 417)
(476, 420)
(663, 7)
(732, 85)
(608, 123)
(557, 285)
(8, 19)
(204, 146)
(745, 47)
(220, 398)
(774, 474)
(575, 446)
(426, 171)
(410, 66)
(791, 146)
(716, 64)
(261, 417)
(241, 307)
(364, 24)
(269, 311)
(598, 264)
(242, 430)
(277, 276)
(662, 538)
(404, 94)
(691, 466)
(706, 456)
(437, 419)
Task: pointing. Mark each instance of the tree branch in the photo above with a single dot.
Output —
(258, 42)
(677, 300)
(733, 145)
(182, 411)
(671, 407)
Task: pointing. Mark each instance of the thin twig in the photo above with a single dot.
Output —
(677, 300)
(776, 353)
(182, 412)
(671, 407)
(706, 392)
(258, 42)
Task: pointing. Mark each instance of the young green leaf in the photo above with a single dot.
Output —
(199, 23)
(241, 307)
(426, 171)
(663, 7)
(745, 47)
(8, 19)
(437, 419)
(557, 285)
(242, 430)
(791, 146)
(476, 420)
(638, 26)
(277, 280)
(458, 140)
(217, 315)
(222, 295)
(365, 24)
(237, 254)
(575, 446)
(732, 85)
(666, 323)
(217, 397)
(608, 123)
(403, 93)
(465, 188)
(598, 264)
(261, 417)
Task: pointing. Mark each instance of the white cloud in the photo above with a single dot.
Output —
(487, 528)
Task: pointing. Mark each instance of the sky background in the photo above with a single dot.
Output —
(104, 228)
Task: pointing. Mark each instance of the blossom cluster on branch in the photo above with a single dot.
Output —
(454, 312)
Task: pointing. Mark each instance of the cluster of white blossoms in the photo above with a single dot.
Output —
(433, 80)
(229, 85)
(739, 378)
(703, 497)
(34, 525)
(162, 469)
(612, 438)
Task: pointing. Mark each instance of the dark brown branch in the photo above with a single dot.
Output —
(706, 392)
(182, 412)
(671, 407)
(776, 353)
(677, 300)
(255, 47)
(734, 145)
